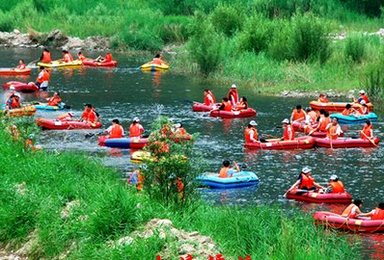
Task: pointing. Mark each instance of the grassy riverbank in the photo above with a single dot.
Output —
(269, 46)
(69, 205)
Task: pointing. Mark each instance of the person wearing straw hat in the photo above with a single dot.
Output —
(136, 129)
(335, 185)
(250, 133)
(288, 131)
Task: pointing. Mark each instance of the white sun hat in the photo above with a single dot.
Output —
(362, 92)
(285, 121)
(136, 119)
(333, 177)
(253, 122)
(306, 169)
(233, 86)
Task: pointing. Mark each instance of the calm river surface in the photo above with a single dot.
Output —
(125, 92)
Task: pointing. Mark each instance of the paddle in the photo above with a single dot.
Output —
(370, 139)
(89, 135)
(32, 63)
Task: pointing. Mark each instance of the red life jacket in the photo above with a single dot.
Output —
(247, 134)
(289, 133)
(367, 130)
(227, 106)
(223, 172)
(108, 57)
(46, 57)
(15, 103)
(135, 130)
(298, 115)
(209, 100)
(331, 132)
(116, 131)
(337, 187)
(378, 214)
(306, 182)
(54, 101)
(89, 116)
(323, 124)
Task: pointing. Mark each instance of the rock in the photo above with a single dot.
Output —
(56, 38)
(21, 188)
(66, 212)
(125, 241)
(16, 31)
(29, 246)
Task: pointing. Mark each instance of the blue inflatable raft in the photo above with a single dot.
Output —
(238, 180)
(123, 143)
(352, 119)
(44, 106)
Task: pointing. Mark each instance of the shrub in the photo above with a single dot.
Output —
(227, 19)
(6, 22)
(355, 49)
(373, 80)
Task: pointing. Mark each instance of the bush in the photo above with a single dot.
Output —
(373, 80)
(6, 22)
(227, 19)
(355, 49)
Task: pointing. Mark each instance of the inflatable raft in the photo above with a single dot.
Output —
(315, 197)
(94, 63)
(201, 107)
(20, 86)
(54, 124)
(123, 143)
(23, 111)
(305, 142)
(346, 143)
(59, 63)
(44, 106)
(154, 67)
(238, 180)
(139, 156)
(14, 72)
(335, 106)
(336, 221)
(352, 119)
(299, 126)
(249, 112)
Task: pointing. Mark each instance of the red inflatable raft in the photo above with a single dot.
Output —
(14, 72)
(305, 142)
(346, 143)
(336, 106)
(316, 197)
(336, 221)
(94, 63)
(249, 112)
(20, 86)
(54, 124)
(299, 126)
(201, 107)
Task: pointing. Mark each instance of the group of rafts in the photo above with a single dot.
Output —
(320, 128)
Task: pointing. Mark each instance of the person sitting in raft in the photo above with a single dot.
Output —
(46, 56)
(367, 132)
(43, 78)
(250, 133)
(81, 56)
(362, 96)
(363, 109)
(310, 122)
(106, 58)
(348, 110)
(65, 117)
(243, 104)
(55, 100)
(136, 129)
(333, 129)
(89, 114)
(67, 57)
(376, 214)
(335, 185)
(288, 131)
(324, 121)
(226, 171)
(225, 105)
(298, 114)
(13, 101)
(158, 60)
(115, 130)
(21, 65)
(233, 95)
(209, 98)
(323, 98)
(353, 209)
(179, 130)
(305, 182)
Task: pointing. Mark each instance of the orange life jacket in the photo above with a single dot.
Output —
(306, 182)
(116, 131)
(346, 112)
(378, 214)
(209, 99)
(367, 130)
(323, 124)
(247, 134)
(348, 211)
(298, 115)
(157, 61)
(331, 132)
(337, 187)
(223, 172)
(68, 57)
(46, 57)
(108, 57)
(179, 185)
(313, 115)
(15, 103)
(54, 101)
(227, 106)
(81, 57)
(89, 116)
(135, 130)
(21, 66)
(181, 131)
(323, 100)
(233, 97)
(289, 133)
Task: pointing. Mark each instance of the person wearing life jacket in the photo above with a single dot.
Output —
(21, 65)
(250, 133)
(288, 131)
(362, 96)
(226, 171)
(363, 109)
(335, 185)
(179, 130)
(43, 78)
(55, 100)
(298, 114)
(225, 105)
(243, 104)
(67, 57)
(81, 56)
(310, 122)
(209, 98)
(367, 132)
(376, 214)
(348, 110)
(180, 187)
(333, 129)
(305, 182)
(115, 130)
(13, 101)
(46, 56)
(65, 117)
(137, 178)
(324, 121)
(323, 98)
(157, 59)
(89, 114)
(106, 58)
(136, 129)
(233, 95)
(353, 209)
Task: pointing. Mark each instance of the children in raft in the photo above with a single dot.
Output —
(13, 101)
(367, 132)
(55, 100)
(179, 131)
(106, 58)
(233, 95)
(250, 133)
(45, 56)
(335, 185)
(323, 98)
(81, 56)
(353, 211)
(158, 60)
(305, 182)
(209, 98)
(298, 114)
(115, 130)
(227, 171)
(362, 96)
(89, 114)
(21, 65)
(333, 129)
(42, 79)
(136, 129)
(288, 131)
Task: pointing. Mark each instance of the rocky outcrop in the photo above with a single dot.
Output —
(53, 39)
(315, 94)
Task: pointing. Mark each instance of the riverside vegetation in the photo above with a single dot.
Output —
(268, 45)
(68, 205)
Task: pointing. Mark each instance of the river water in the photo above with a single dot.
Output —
(126, 92)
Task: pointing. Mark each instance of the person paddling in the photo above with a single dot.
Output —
(55, 100)
(21, 65)
(335, 185)
(89, 114)
(298, 114)
(115, 130)
(288, 131)
(43, 78)
(136, 129)
(228, 171)
(305, 182)
(367, 132)
(333, 129)
(250, 133)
